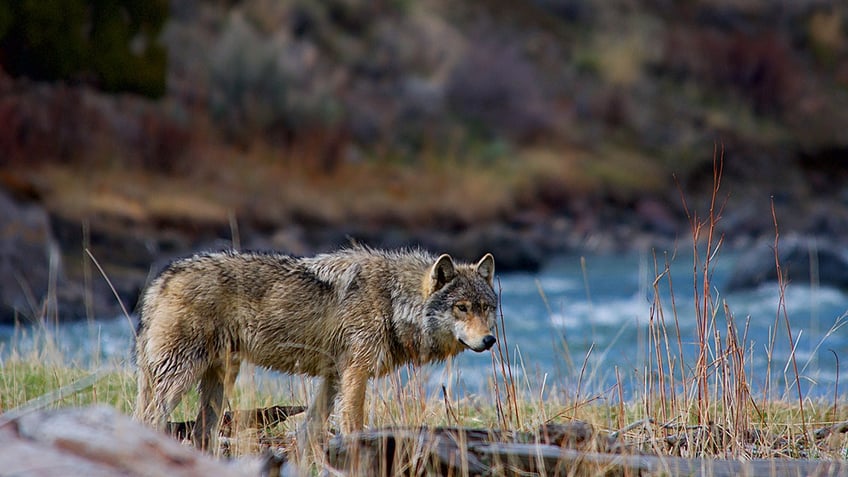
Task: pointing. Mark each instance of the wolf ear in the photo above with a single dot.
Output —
(442, 272)
(486, 268)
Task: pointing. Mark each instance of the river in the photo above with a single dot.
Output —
(587, 323)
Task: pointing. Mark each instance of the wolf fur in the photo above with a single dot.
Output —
(344, 316)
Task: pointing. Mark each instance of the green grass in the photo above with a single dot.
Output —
(26, 378)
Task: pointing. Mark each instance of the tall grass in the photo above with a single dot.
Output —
(708, 408)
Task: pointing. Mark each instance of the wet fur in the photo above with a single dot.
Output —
(344, 316)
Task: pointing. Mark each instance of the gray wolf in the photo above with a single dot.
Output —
(343, 316)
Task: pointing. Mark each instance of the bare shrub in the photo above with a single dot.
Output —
(43, 122)
(497, 87)
(757, 66)
(40, 123)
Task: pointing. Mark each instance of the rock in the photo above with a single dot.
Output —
(802, 259)
(656, 216)
(30, 262)
(513, 249)
(35, 281)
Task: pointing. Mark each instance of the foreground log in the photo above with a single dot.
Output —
(100, 441)
(450, 451)
(552, 460)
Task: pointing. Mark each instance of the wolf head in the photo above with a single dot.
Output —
(461, 305)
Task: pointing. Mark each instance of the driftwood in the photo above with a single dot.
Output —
(254, 418)
(451, 451)
(553, 460)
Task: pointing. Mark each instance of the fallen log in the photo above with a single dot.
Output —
(452, 451)
(99, 441)
(449, 450)
(261, 418)
(552, 460)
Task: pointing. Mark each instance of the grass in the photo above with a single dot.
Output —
(652, 422)
(24, 379)
(705, 408)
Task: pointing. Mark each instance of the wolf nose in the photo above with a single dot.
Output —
(488, 341)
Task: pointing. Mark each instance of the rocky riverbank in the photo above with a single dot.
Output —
(55, 266)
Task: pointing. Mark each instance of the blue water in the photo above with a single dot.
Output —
(584, 324)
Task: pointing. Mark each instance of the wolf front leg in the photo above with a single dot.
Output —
(354, 381)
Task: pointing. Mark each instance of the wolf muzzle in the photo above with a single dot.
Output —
(486, 343)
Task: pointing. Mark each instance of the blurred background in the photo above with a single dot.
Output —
(134, 131)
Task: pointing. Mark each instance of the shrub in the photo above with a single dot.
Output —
(757, 66)
(263, 82)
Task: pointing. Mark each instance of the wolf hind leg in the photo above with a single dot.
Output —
(144, 409)
(159, 394)
(216, 383)
(211, 397)
(162, 387)
(322, 404)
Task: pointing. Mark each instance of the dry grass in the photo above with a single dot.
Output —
(654, 421)
(272, 188)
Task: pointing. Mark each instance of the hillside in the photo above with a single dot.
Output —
(528, 129)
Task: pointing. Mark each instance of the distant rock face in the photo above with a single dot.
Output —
(34, 284)
(29, 261)
(802, 260)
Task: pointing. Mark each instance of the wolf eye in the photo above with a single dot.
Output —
(462, 308)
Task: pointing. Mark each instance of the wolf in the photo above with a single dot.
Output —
(344, 316)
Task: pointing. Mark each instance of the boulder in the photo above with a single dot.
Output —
(802, 260)
(34, 281)
(513, 249)
(99, 440)
(30, 262)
